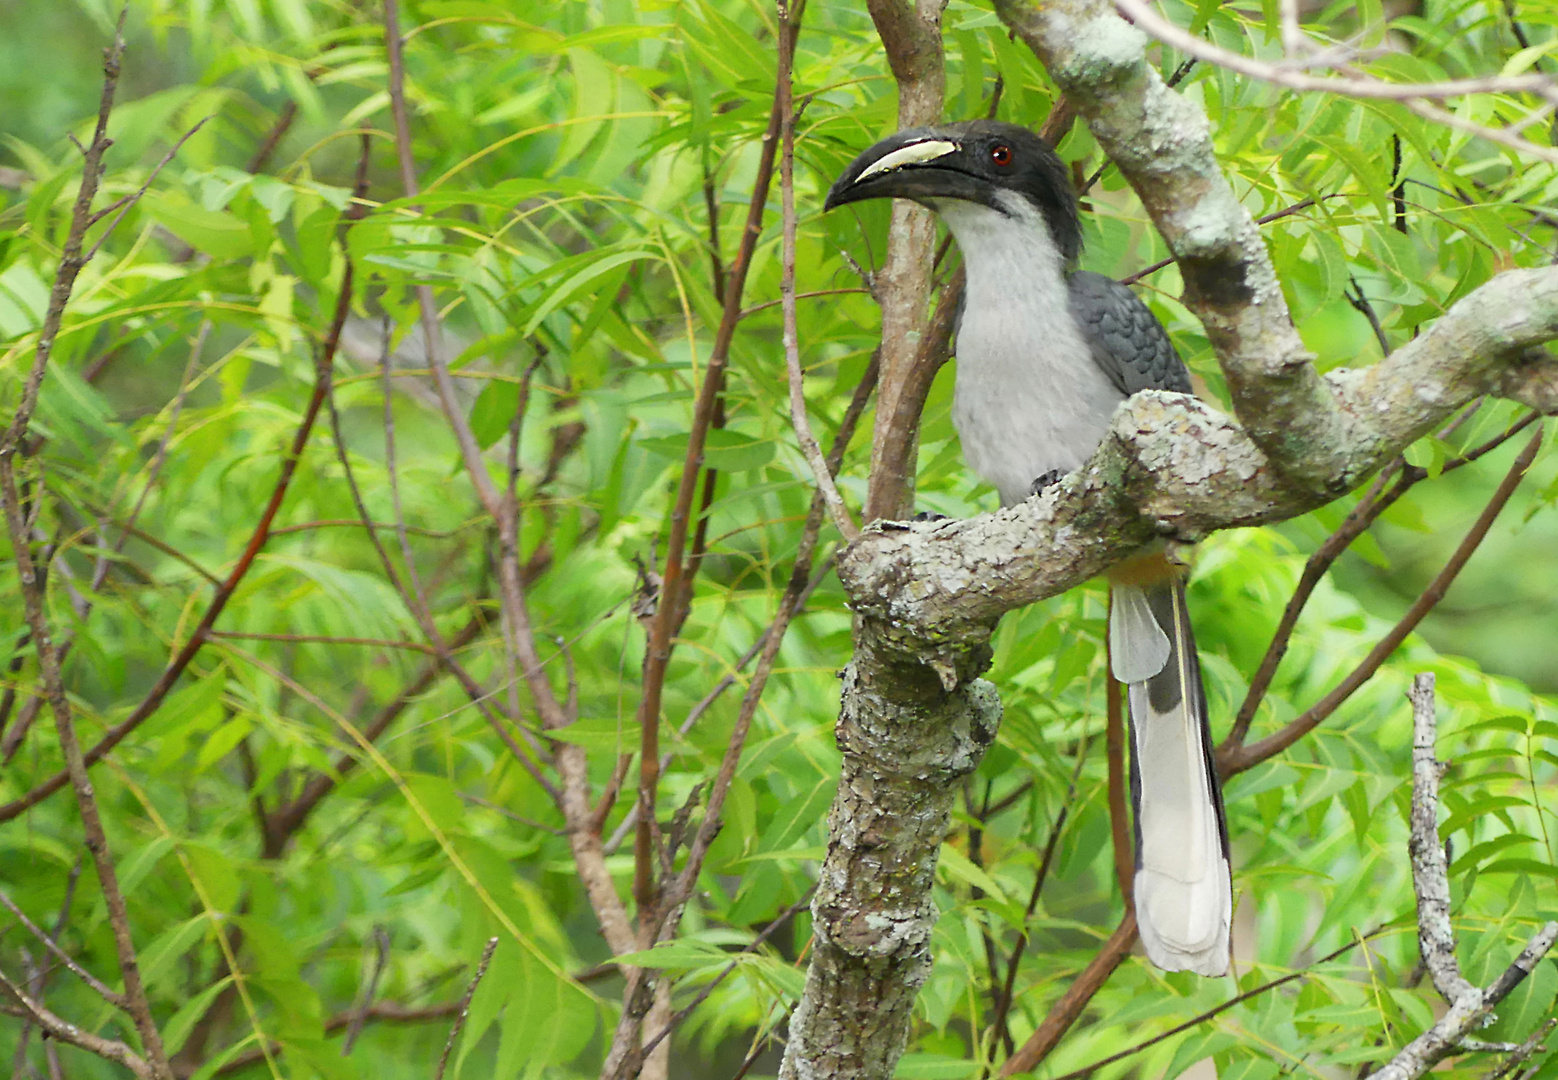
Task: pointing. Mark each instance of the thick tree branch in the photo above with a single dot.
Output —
(1162, 144)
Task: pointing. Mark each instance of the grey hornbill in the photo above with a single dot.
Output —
(1045, 354)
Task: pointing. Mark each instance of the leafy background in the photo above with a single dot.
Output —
(565, 150)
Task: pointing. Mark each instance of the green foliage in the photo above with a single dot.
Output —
(567, 154)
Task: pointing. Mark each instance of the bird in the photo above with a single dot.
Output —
(1045, 355)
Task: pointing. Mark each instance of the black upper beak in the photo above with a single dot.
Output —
(918, 164)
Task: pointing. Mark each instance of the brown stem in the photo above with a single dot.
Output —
(465, 1006)
(1119, 819)
(1240, 758)
(170, 675)
(1008, 989)
(278, 131)
(284, 822)
(658, 648)
(135, 1001)
(1065, 1011)
(1359, 519)
(911, 35)
(1215, 1011)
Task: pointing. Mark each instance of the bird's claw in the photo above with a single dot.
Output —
(1044, 482)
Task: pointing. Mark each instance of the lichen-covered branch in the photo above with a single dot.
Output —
(1174, 467)
(1163, 146)
(907, 742)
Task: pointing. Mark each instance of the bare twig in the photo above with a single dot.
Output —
(381, 947)
(134, 999)
(326, 639)
(465, 1006)
(127, 203)
(1429, 869)
(1233, 760)
(1469, 1005)
(1294, 79)
(911, 37)
(703, 995)
(998, 1025)
(1368, 510)
(803, 432)
(1415, 96)
(1119, 822)
(113, 997)
(519, 635)
(64, 1031)
(658, 648)
(385, 1011)
(1064, 1013)
(1214, 1012)
(285, 820)
(170, 675)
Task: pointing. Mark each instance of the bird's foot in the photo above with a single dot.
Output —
(930, 515)
(1045, 482)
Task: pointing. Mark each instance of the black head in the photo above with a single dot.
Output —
(981, 161)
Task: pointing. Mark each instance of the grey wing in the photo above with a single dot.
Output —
(1128, 343)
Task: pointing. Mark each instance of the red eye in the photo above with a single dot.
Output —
(1001, 155)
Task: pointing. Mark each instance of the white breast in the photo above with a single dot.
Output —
(1029, 397)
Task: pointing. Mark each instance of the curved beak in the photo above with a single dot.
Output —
(916, 164)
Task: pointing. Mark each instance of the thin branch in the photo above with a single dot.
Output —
(1120, 834)
(284, 822)
(385, 1011)
(278, 131)
(1292, 78)
(126, 204)
(998, 1026)
(37, 985)
(658, 647)
(56, 1028)
(326, 639)
(71, 258)
(113, 997)
(1217, 1010)
(1470, 1006)
(703, 995)
(381, 948)
(134, 999)
(1064, 1012)
(1237, 759)
(1358, 520)
(803, 432)
(1430, 871)
(465, 1002)
(170, 675)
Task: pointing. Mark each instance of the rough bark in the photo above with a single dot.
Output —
(907, 741)
(926, 596)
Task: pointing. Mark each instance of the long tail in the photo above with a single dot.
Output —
(1184, 894)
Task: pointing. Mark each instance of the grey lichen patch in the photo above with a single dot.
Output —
(1211, 225)
(1105, 49)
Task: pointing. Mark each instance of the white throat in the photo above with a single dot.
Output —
(1029, 396)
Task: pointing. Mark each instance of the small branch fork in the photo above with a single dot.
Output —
(1471, 1007)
